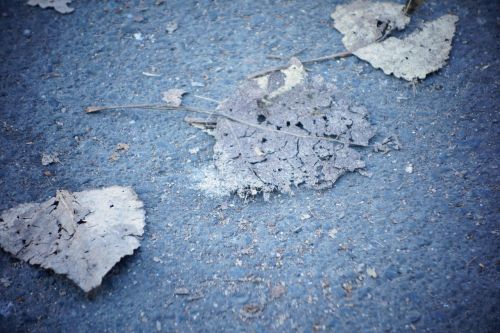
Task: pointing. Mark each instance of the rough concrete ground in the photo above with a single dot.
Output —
(432, 236)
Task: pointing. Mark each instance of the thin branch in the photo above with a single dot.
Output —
(338, 55)
(411, 6)
(207, 99)
(305, 62)
(276, 57)
(94, 109)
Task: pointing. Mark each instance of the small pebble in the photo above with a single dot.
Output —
(409, 168)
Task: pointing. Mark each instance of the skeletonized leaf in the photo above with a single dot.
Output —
(363, 22)
(292, 130)
(422, 52)
(81, 235)
(173, 97)
(59, 5)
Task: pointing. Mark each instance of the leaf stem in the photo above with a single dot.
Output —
(95, 109)
(304, 62)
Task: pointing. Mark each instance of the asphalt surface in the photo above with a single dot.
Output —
(297, 263)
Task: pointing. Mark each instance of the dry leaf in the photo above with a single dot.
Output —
(347, 287)
(422, 52)
(81, 235)
(278, 291)
(50, 158)
(292, 131)
(173, 97)
(171, 27)
(371, 272)
(181, 291)
(251, 311)
(5, 282)
(122, 146)
(363, 22)
(59, 5)
(333, 233)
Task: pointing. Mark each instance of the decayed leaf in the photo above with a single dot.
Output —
(82, 234)
(171, 27)
(363, 22)
(422, 52)
(278, 291)
(371, 272)
(59, 5)
(301, 135)
(173, 97)
(50, 158)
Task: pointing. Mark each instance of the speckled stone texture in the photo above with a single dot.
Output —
(209, 264)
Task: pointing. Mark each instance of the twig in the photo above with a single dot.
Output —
(271, 56)
(470, 262)
(207, 99)
(94, 109)
(411, 6)
(305, 62)
(338, 55)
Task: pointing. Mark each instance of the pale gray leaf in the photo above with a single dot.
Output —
(422, 52)
(50, 158)
(173, 97)
(296, 115)
(81, 235)
(363, 22)
(59, 5)
(171, 27)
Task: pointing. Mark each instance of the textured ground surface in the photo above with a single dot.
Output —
(432, 235)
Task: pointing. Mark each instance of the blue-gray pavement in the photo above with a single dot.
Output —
(297, 263)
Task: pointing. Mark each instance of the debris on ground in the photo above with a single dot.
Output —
(413, 57)
(181, 291)
(367, 26)
(60, 6)
(173, 97)
(371, 272)
(332, 233)
(251, 311)
(6, 282)
(81, 234)
(48, 159)
(171, 27)
(364, 22)
(285, 129)
(278, 291)
(120, 148)
(138, 36)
